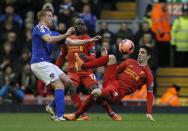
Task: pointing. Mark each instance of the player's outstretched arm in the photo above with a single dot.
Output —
(150, 102)
(54, 39)
(70, 41)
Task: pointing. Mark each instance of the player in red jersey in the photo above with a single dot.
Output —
(87, 53)
(119, 80)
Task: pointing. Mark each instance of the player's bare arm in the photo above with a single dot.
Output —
(54, 39)
(81, 42)
(149, 102)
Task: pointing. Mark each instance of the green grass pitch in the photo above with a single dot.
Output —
(98, 122)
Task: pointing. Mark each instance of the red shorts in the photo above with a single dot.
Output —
(86, 79)
(111, 90)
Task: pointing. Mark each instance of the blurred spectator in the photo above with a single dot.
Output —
(29, 17)
(27, 35)
(161, 27)
(125, 32)
(8, 26)
(106, 34)
(147, 15)
(180, 38)
(144, 28)
(10, 89)
(23, 60)
(96, 6)
(89, 19)
(9, 12)
(66, 15)
(48, 4)
(28, 81)
(171, 96)
(7, 51)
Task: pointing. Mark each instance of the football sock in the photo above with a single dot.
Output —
(59, 102)
(107, 107)
(101, 61)
(149, 102)
(89, 101)
(76, 101)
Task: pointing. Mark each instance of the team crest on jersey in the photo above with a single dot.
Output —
(41, 28)
(52, 75)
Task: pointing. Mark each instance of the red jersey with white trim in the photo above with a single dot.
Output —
(72, 49)
(133, 75)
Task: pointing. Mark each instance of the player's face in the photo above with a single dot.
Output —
(49, 19)
(142, 55)
(80, 26)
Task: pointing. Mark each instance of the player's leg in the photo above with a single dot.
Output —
(101, 61)
(90, 84)
(50, 75)
(73, 89)
(104, 103)
(88, 103)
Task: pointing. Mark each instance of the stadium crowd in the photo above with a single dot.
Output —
(17, 19)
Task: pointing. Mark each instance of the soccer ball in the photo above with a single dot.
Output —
(126, 46)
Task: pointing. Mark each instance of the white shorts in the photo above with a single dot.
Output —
(45, 71)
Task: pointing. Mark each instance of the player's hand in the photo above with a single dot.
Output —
(150, 117)
(96, 38)
(104, 51)
(70, 31)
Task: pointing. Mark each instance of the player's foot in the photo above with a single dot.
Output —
(61, 118)
(70, 117)
(84, 117)
(115, 116)
(78, 62)
(51, 111)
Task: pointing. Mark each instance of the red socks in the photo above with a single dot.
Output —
(89, 101)
(107, 107)
(101, 61)
(149, 102)
(76, 101)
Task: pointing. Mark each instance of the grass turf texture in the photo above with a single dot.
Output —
(98, 122)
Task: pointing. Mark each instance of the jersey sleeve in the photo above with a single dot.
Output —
(149, 83)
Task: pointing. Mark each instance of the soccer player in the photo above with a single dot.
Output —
(50, 74)
(87, 53)
(119, 80)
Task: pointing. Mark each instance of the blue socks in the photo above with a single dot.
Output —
(59, 102)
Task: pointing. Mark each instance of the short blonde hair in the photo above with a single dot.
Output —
(42, 13)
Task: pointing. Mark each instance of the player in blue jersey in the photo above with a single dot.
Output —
(50, 74)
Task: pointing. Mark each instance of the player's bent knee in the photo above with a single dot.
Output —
(57, 84)
(112, 60)
(68, 83)
(96, 92)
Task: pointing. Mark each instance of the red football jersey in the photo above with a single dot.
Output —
(133, 75)
(72, 49)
